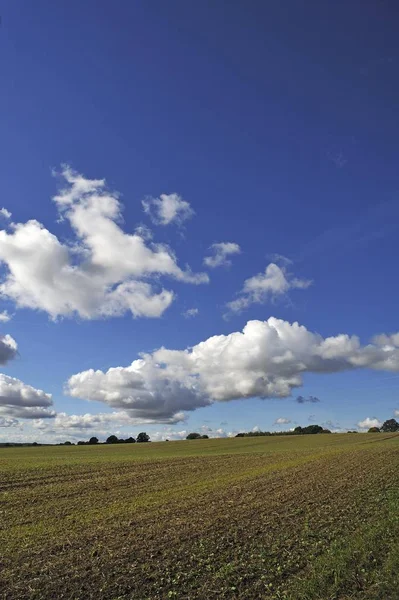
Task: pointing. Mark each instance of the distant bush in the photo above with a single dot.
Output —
(197, 436)
(93, 440)
(143, 437)
(374, 430)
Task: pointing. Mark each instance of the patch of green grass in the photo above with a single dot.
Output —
(363, 565)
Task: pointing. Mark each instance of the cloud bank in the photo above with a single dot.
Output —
(267, 359)
(63, 421)
(104, 273)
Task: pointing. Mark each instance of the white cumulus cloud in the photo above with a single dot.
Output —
(5, 317)
(282, 421)
(267, 359)
(275, 281)
(369, 422)
(103, 273)
(220, 253)
(168, 208)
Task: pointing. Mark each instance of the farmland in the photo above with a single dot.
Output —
(300, 517)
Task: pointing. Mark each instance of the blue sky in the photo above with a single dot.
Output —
(277, 124)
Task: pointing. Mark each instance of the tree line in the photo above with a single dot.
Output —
(297, 431)
(113, 439)
(389, 426)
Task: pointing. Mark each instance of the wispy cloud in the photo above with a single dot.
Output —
(190, 313)
(274, 282)
(167, 209)
(282, 421)
(220, 253)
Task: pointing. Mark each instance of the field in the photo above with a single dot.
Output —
(299, 517)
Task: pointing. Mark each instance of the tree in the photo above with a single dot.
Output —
(80, 443)
(68, 444)
(390, 426)
(143, 437)
(312, 429)
(112, 439)
(193, 436)
(204, 437)
(130, 440)
(93, 440)
(374, 430)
